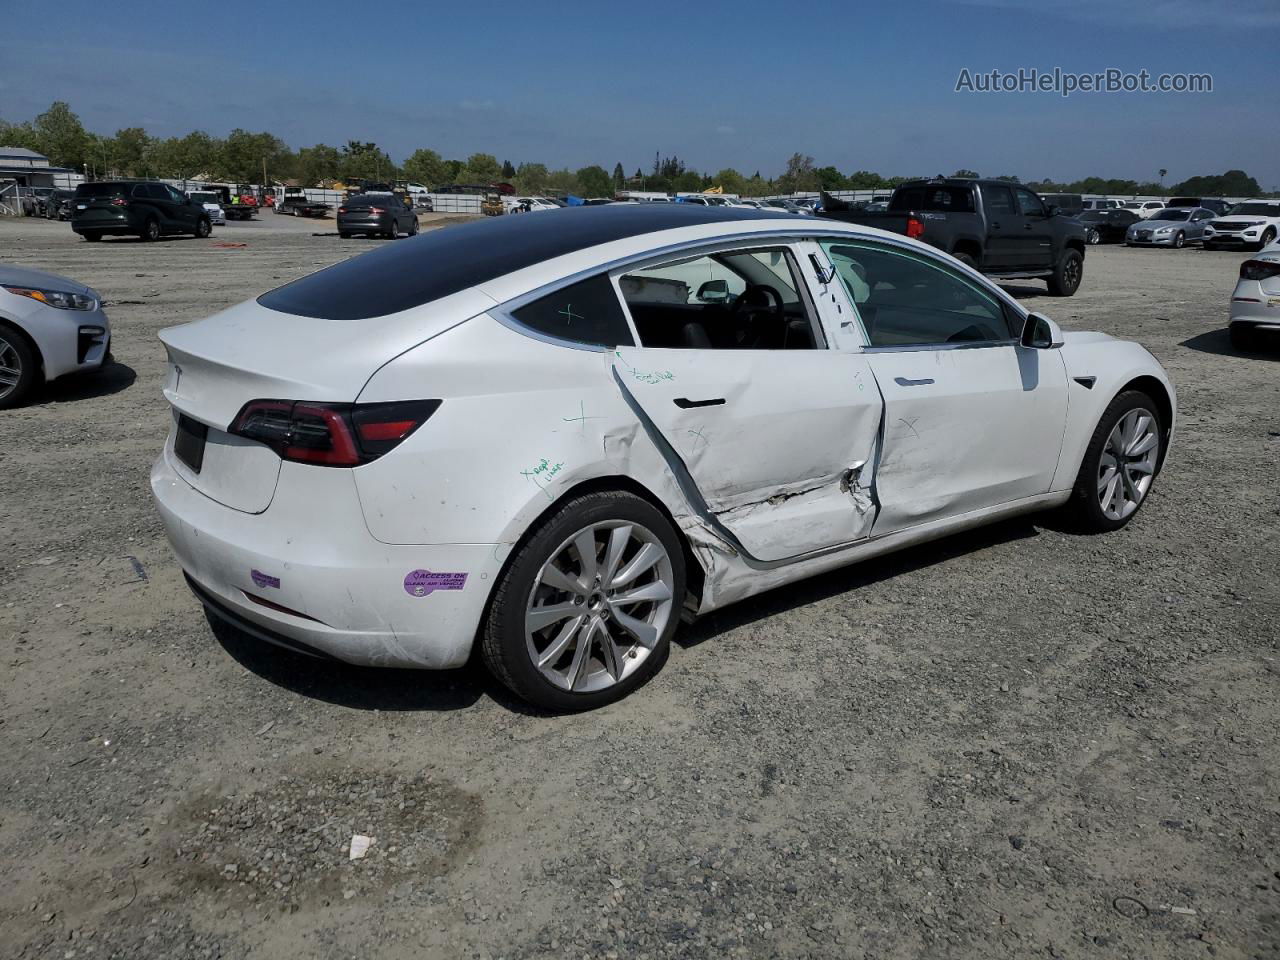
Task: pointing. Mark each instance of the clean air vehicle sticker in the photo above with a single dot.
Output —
(261, 579)
(420, 583)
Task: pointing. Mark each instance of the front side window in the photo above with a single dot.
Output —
(586, 312)
(905, 299)
(731, 300)
(1029, 204)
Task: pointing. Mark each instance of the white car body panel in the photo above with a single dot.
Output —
(816, 459)
(1245, 228)
(1256, 303)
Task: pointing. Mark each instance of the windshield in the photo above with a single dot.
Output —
(1172, 215)
(1257, 209)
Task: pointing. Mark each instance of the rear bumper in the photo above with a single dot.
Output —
(375, 225)
(306, 573)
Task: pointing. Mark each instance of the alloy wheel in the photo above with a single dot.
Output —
(1128, 463)
(10, 368)
(599, 606)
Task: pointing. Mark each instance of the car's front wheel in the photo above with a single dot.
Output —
(1067, 275)
(1268, 238)
(585, 610)
(1119, 464)
(18, 370)
(1179, 240)
(1094, 237)
(203, 228)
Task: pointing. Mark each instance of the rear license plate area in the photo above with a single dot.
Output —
(189, 442)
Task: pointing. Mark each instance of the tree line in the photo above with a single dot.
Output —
(242, 157)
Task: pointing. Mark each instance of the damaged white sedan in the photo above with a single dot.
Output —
(556, 436)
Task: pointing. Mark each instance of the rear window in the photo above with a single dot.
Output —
(94, 190)
(943, 199)
(585, 312)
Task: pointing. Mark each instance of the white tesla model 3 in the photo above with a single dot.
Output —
(555, 436)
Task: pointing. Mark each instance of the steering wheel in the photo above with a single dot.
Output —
(750, 316)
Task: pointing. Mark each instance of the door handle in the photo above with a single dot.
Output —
(1026, 226)
(904, 382)
(995, 225)
(684, 403)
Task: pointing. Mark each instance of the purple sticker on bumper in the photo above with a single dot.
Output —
(261, 579)
(420, 583)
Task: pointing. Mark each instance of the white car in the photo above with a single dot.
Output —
(529, 204)
(212, 203)
(557, 436)
(1255, 302)
(50, 326)
(1253, 223)
(1144, 208)
(1101, 204)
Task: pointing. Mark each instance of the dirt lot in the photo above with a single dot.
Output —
(1016, 743)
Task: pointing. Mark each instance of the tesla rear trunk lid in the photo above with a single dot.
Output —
(250, 352)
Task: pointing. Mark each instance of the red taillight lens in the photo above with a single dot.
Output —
(377, 211)
(1259, 269)
(915, 227)
(119, 202)
(331, 434)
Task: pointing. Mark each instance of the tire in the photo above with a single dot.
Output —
(590, 669)
(1243, 337)
(92, 237)
(1094, 238)
(394, 232)
(151, 230)
(203, 229)
(1136, 473)
(413, 227)
(1179, 240)
(966, 259)
(1067, 275)
(16, 355)
(1268, 237)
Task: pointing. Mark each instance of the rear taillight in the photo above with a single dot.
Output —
(915, 227)
(1259, 269)
(377, 211)
(119, 202)
(331, 434)
(342, 209)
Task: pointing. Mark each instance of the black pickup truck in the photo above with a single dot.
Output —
(1002, 229)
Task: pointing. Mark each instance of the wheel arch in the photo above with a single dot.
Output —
(1158, 392)
(26, 338)
(969, 245)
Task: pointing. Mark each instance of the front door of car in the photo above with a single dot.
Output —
(972, 419)
(185, 211)
(775, 433)
(1006, 234)
(1036, 251)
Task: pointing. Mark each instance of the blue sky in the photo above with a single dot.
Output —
(742, 84)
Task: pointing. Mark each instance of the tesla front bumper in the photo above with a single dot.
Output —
(307, 574)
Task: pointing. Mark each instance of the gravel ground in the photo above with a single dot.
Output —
(1014, 743)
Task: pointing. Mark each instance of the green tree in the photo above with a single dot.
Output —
(829, 178)
(508, 171)
(757, 186)
(864, 180)
(243, 155)
(532, 178)
(964, 174)
(689, 181)
(618, 176)
(133, 152)
(594, 181)
(560, 182)
(364, 160)
(1233, 183)
(480, 168)
(1008, 178)
(426, 167)
(317, 163)
(731, 180)
(61, 136)
(20, 135)
(799, 176)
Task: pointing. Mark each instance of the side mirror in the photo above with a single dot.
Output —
(1053, 209)
(1041, 333)
(714, 291)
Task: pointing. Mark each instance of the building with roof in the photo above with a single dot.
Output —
(21, 170)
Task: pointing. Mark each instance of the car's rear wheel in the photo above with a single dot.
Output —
(1067, 275)
(151, 230)
(585, 611)
(203, 228)
(413, 226)
(966, 259)
(1119, 464)
(18, 368)
(1094, 237)
(1179, 240)
(394, 232)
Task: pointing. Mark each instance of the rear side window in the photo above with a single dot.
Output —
(97, 190)
(941, 198)
(997, 199)
(586, 312)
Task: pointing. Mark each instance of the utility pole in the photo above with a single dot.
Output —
(264, 178)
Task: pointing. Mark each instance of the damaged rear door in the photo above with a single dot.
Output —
(775, 433)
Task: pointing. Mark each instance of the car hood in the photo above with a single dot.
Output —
(25, 277)
(1077, 337)
(1247, 218)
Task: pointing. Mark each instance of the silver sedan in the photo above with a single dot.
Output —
(49, 326)
(1170, 227)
